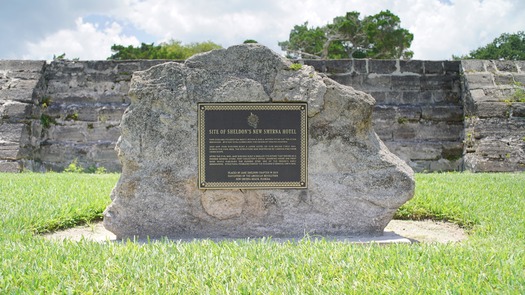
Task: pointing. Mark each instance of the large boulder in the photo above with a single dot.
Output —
(355, 183)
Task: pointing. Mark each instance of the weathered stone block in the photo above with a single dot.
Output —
(477, 94)
(412, 66)
(379, 96)
(67, 133)
(439, 83)
(452, 151)
(433, 67)
(500, 128)
(479, 80)
(446, 165)
(384, 130)
(18, 90)
(13, 109)
(352, 80)
(518, 109)
(506, 66)
(360, 66)
(496, 94)
(414, 97)
(318, 64)
(431, 97)
(472, 65)
(420, 165)
(441, 131)
(405, 131)
(413, 150)
(355, 183)
(11, 132)
(101, 132)
(382, 66)
(56, 152)
(333, 66)
(452, 68)
(407, 113)
(492, 109)
(16, 67)
(384, 113)
(520, 64)
(396, 113)
(504, 79)
(9, 150)
(450, 113)
(520, 78)
(436, 131)
(9, 166)
(406, 83)
(393, 97)
(490, 66)
(375, 82)
(111, 113)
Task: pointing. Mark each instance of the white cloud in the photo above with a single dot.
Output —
(441, 27)
(87, 41)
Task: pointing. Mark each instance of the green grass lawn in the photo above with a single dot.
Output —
(490, 261)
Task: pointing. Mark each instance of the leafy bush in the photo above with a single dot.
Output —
(74, 167)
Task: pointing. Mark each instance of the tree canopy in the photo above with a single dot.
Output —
(378, 36)
(506, 47)
(170, 50)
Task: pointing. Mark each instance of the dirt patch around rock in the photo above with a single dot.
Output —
(427, 231)
(95, 232)
(397, 231)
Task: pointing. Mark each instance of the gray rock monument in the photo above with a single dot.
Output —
(355, 184)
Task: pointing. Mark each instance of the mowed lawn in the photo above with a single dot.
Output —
(491, 261)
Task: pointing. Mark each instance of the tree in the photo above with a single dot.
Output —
(378, 36)
(506, 47)
(170, 50)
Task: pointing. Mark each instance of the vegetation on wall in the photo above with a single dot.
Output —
(378, 36)
(170, 50)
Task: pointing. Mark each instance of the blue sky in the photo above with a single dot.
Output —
(39, 29)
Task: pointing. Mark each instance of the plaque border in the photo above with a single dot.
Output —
(218, 106)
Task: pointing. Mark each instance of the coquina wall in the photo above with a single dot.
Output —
(494, 115)
(419, 108)
(436, 115)
(55, 113)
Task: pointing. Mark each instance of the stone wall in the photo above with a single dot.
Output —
(435, 115)
(494, 115)
(21, 83)
(419, 110)
(81, 106)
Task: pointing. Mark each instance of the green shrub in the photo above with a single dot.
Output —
(101, 170)
(296, 67)
(74, 167)
(47, 120)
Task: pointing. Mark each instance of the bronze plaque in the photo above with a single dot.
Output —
(252, 145)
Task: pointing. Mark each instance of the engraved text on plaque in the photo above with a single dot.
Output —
(252, 145)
